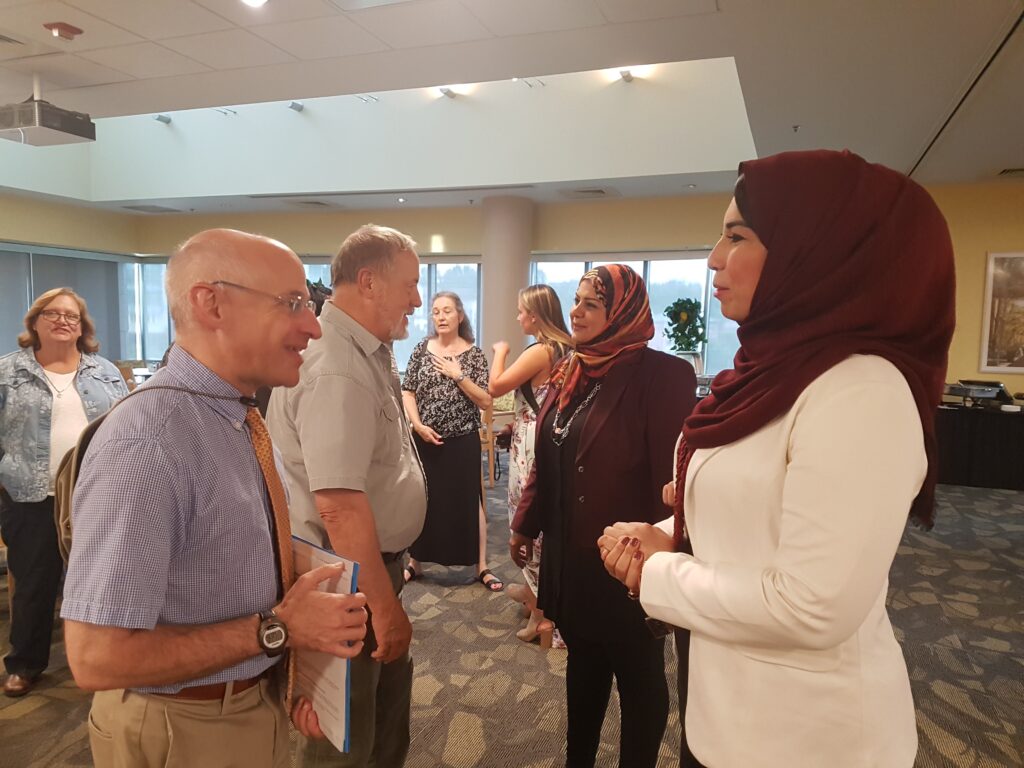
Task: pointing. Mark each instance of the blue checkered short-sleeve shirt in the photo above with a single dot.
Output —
(171, 518)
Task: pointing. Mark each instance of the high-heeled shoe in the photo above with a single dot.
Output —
(541, 630)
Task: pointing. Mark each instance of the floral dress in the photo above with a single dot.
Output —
(524, 430)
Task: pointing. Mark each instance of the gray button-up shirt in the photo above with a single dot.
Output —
(343, 426)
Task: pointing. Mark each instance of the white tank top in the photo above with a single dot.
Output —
(68, 418)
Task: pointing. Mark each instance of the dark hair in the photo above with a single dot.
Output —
(465, 329)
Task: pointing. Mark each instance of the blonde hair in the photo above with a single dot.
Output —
(542, 302)
(369, 247)
(30, 338)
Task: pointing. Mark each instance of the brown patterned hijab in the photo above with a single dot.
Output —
(630, 327)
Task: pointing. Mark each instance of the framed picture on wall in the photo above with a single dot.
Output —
(1002, 335)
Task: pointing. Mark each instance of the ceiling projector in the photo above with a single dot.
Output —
(42, 124)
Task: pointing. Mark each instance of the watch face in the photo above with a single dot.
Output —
(274, 637)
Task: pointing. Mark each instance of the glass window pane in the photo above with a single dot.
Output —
(128, 282)
(722, 341)
(463, 280)
(636, 266)
(417, 324)
(563, 277)
(14, 298)
(318, 272)
(156, 336)
(669, 281)
(94, 281)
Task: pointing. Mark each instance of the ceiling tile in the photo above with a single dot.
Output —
(271, 13)
(433, 22)
(155, 19)
(618, 11)
(66, 71)
(26, 22)
(233, 49)
(321, 38)
(527, 16)
(145, 60)
(28, 47)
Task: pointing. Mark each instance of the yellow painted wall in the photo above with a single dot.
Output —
(321, 233)
(44, 222)
(656, 223)
(982, 218)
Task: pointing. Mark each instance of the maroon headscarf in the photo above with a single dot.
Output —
(630, 327)
(859, 262)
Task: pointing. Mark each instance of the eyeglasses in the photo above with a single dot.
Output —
(68, 317)
(294, 303)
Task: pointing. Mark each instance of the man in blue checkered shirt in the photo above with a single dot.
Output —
(172, 604)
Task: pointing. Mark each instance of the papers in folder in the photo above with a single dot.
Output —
(320, 677)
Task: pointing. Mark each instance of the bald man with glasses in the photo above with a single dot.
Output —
(179, 601)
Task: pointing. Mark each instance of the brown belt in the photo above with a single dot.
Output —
(214, 691)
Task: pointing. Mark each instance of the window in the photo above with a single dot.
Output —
(318, 272)
(668, 281)
(563, 276)
(683, 275)
(15, 298)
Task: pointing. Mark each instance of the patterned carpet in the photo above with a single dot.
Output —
(484, 699)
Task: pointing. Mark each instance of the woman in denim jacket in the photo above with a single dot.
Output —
(49, 391)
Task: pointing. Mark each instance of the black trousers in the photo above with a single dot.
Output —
(34, 560)
(638, 667)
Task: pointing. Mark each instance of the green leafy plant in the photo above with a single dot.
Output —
(685, 325)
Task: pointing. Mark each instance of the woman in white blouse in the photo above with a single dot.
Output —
(795, 477)
(50, 389)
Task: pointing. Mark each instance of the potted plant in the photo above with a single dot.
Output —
(686, 330)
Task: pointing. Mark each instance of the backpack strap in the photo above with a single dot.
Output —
(71, 464)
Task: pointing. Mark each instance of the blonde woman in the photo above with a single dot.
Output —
(540, 316)
(50, 389)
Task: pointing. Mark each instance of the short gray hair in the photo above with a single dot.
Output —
(369, 247)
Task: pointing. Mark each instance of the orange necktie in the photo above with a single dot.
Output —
(282, 524)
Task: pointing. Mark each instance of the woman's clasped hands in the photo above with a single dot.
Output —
(625, 547)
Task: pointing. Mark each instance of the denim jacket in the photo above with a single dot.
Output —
(26, 405)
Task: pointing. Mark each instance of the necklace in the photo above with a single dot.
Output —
(58, 392)
(558, 434)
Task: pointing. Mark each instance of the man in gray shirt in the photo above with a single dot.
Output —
(356, 483)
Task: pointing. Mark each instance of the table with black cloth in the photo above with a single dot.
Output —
(980, 447)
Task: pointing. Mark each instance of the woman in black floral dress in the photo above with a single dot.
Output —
(444, 390)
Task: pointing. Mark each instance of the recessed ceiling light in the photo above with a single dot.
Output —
(401, 199)
(255, 3)
(691, 186)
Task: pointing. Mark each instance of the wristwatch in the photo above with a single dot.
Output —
(272, 634)
(461, 377)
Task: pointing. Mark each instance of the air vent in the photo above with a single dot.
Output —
(5, 40)
(311, 204)
(1012, 173)
(151, 209)
(590, 193)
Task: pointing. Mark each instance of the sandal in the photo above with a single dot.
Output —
(410, 574)
(494, 585)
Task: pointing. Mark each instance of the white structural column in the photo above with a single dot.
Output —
(507, 240)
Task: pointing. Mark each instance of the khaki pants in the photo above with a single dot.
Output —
(136, 730)
(379, 714)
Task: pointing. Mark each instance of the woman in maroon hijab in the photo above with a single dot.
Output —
(603, 445)
(796, 475)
